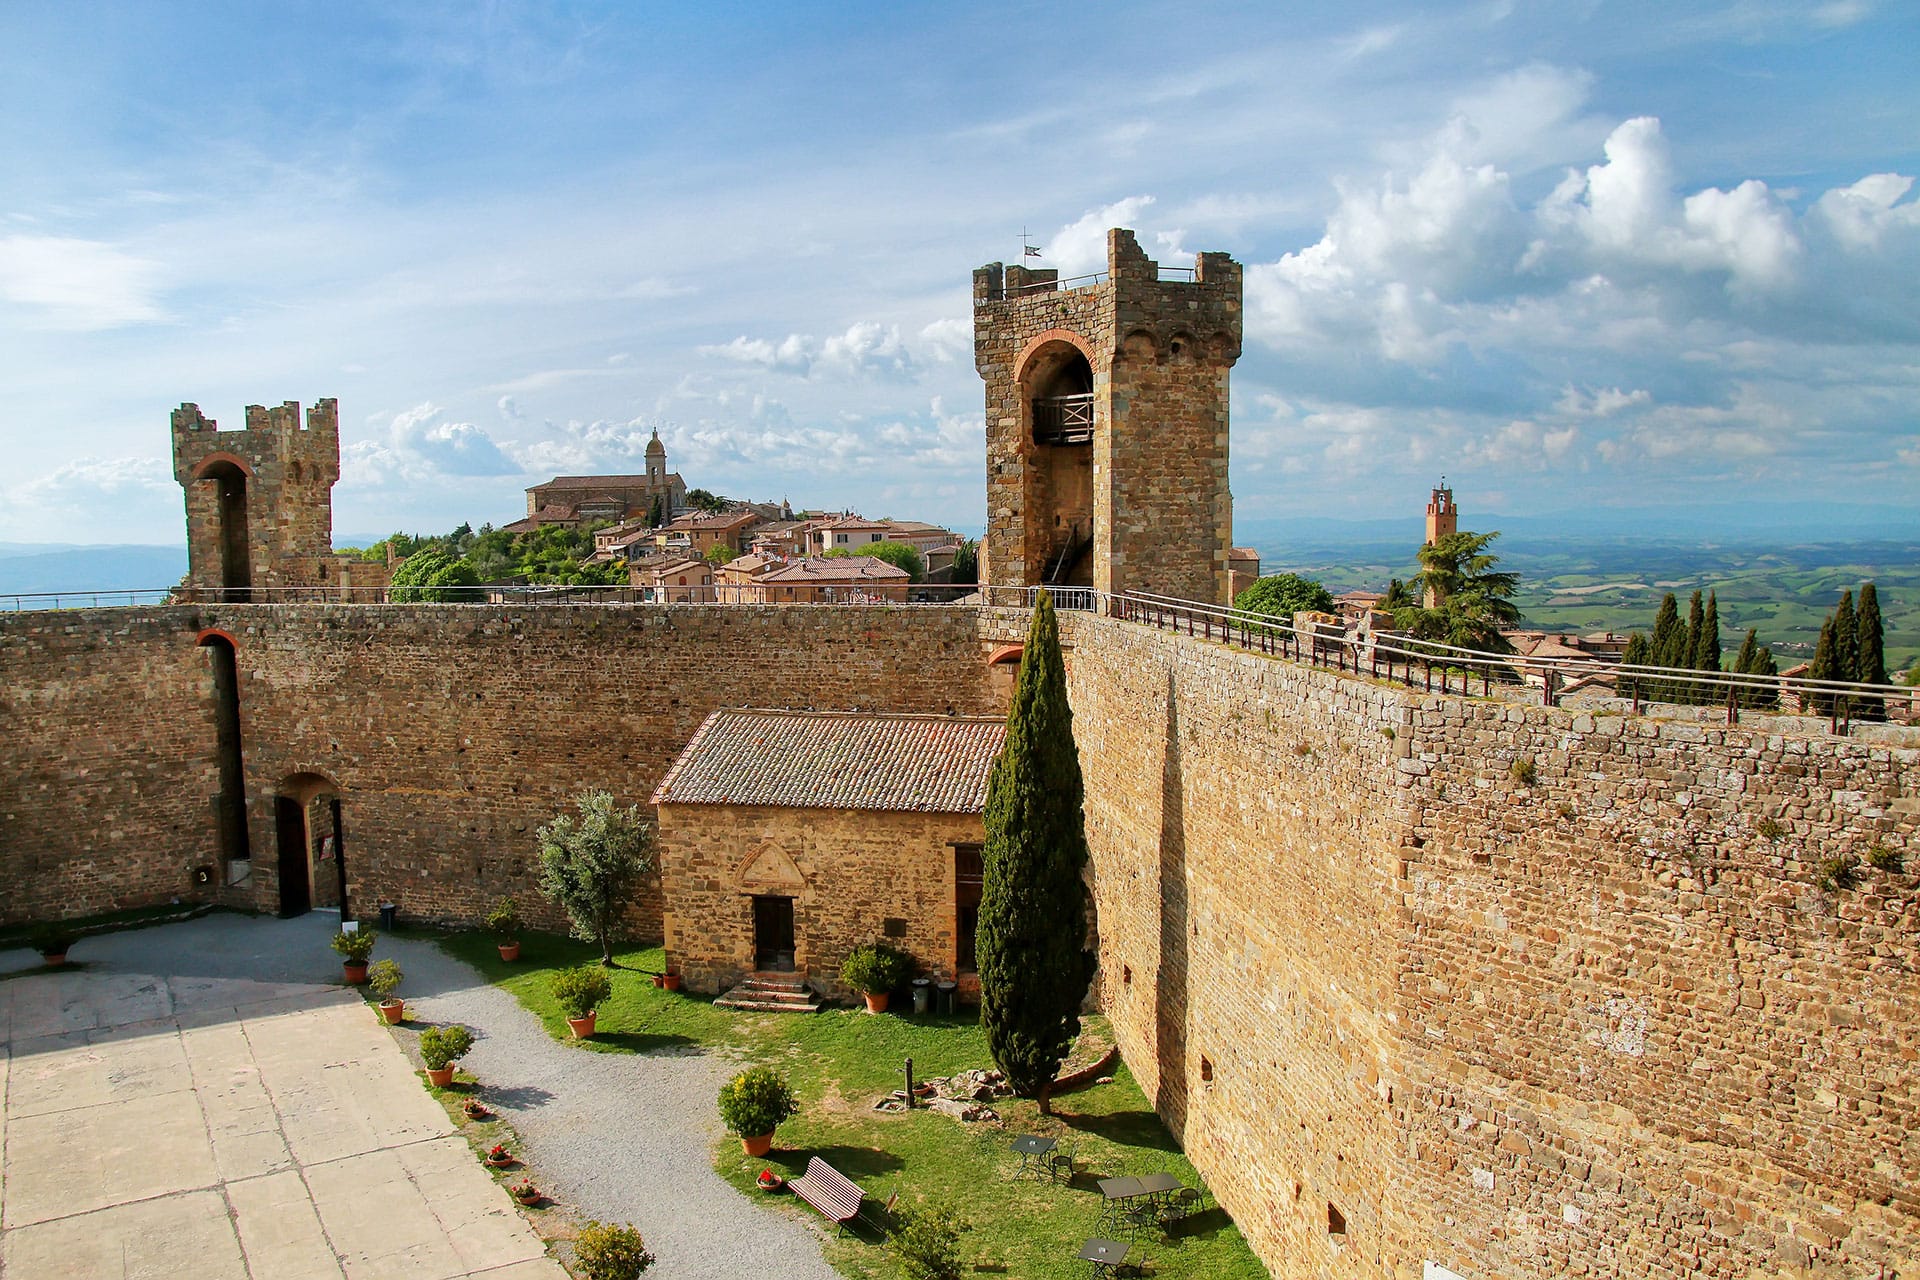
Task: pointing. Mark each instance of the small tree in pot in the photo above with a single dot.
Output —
(439, 1047)
(580, 992)
(53, 945)
(504, 922)
(384, 977)
(354, 948)
(753, 1104)
(874, 969)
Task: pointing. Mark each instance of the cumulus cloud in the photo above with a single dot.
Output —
(865, 349)
(1080, 247)
(58, 282)
(91, 494)
(421, 446)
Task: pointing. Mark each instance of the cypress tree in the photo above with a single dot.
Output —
(1031, 948)
(1764, 665)
(1638, 654)
(1689, 654)
(1871, 666)
(1846, 639)
(1743, 666)
(1825, 666)
(1666, 644)
(1706, 655)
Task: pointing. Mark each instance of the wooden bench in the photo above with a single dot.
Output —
(829, 1191)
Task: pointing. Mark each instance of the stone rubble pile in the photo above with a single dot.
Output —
(963, 1096)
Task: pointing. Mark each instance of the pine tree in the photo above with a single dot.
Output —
(1031, 948)
(1870, 666)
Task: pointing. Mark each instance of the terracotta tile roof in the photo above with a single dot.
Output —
(837, 760)
(603, 482)
(839, 569)
(712, 520)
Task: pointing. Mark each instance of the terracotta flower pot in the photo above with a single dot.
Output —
(671, 981)
(355, 973)
(583, 1027)
(757, 1146)
(440, 1077)
(510, 951)
(53, 957)
(393, 1011)
(876, 1002)
(499, 1162)
(530, 1196)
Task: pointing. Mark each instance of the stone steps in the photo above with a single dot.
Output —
(771, 993)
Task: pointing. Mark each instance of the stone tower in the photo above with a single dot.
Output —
(259, 500)
(1443, 518)
(656, 461)
(1107, 423)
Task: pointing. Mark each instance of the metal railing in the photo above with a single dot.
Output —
(1426, 665)
(1168, 275)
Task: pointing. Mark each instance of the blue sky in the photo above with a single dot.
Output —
(1572, 255)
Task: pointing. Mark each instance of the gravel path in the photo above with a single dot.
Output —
(623, 1138)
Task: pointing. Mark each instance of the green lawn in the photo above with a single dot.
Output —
(840, 1062)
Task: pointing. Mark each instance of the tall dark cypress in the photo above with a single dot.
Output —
(1825, 666)
(1846, 639)
(1871, 664)
(1667, 643)
(1031, 947)
(1706, 654)
(1743, 664)
(1764, 665)
(1638, 654)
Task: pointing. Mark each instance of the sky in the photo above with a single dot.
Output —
(1575, 256)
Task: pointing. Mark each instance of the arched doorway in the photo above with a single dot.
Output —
(229, 482)
(230, 804)
(1056, 395)
(311, 842)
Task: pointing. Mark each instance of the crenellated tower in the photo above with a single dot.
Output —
(259, 500)
(1107, 422)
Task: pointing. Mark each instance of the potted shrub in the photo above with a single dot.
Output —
(580, 992)
(753, 1104)
(354, 948)
(504, 922)
(498, 1157)
(873, 969)
(384, 977)
(439, 1046)
(604, 1251)
(53, 945)
(474, 1109)
(525, 1192)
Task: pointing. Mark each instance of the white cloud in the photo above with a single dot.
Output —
(71, 284)
(97, 498)
(1080, 247)
(1603, 403)
(420, 446)
(865, 349)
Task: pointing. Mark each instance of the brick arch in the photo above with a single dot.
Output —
(1007, 653)
(208, 634)
(201, 467)
(1044, 338)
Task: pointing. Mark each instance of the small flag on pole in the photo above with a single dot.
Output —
(1032, 251)
(1027, 250)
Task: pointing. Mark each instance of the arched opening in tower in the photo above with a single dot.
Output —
(230, 512)
(230, 803)
(1057, 387)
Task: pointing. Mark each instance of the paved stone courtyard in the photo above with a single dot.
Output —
(219, 1127)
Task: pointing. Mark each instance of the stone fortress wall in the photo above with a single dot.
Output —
(1399, 1001)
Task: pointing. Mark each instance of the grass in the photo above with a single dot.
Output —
(840, 1062)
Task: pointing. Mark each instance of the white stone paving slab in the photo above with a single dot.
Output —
(221, 1127)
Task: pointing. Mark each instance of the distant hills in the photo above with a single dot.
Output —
(32, 568)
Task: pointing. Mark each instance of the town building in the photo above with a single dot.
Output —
(814, 580)
(570, 501)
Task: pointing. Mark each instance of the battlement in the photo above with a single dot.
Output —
(259, 500)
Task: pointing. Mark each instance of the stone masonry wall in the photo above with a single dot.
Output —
(1595, 1019)
(106, 796)
(847, 871)
(452, 732)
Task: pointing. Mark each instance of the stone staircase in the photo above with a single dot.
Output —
(771, 993)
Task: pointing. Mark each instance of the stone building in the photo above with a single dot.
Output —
(259, 500)
(573, 500)
(1107, 423)
(787, 838)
